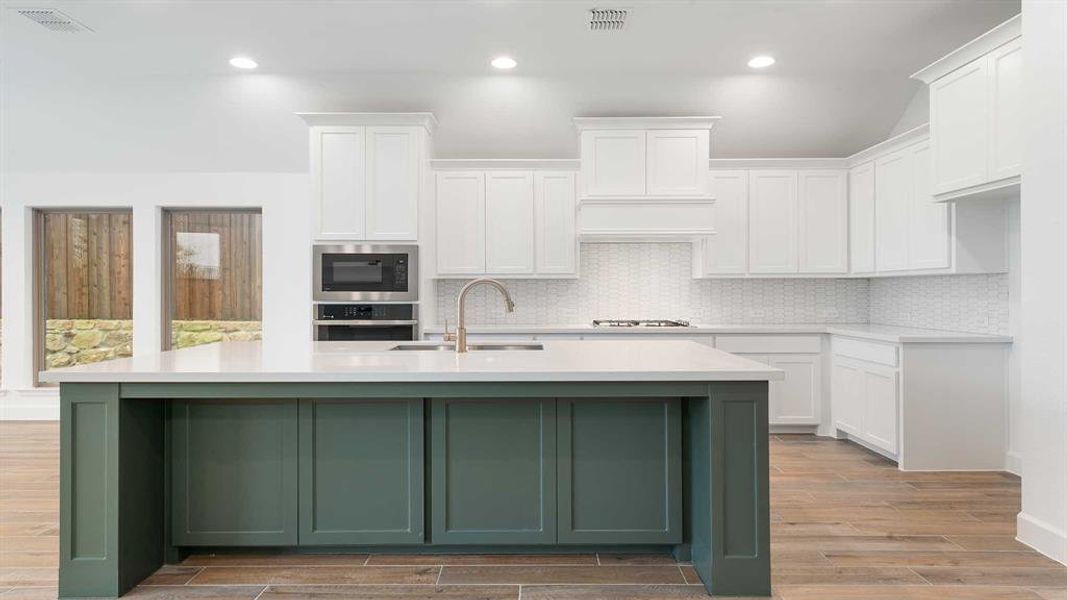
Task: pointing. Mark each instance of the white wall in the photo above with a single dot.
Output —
(283, 198)
(1043, 430)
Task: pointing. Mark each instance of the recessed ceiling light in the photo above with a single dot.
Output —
(760, 62)
(504, 62)
(243, 62)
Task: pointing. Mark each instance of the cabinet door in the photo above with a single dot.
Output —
(460, 222)
(928, 221)
(554, 214)
(959, 127)
(847, 397)
(339, 181)
(493, 471)
(1006, 126)
(392, 183)
(677, 162)
(893, 190)
(727, 250)
(361, 471)
(881, 410)
(613, 163)
(823, 233)
(234, 472)
(796, 399)
(509, 222)
(861, 218)
(620, 471)
(772, 221)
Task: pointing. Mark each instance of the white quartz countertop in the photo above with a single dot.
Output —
(870, 331)
(560, 361)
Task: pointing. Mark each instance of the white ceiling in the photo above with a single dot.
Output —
(841, 82)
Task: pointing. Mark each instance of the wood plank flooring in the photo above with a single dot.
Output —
(845, 524)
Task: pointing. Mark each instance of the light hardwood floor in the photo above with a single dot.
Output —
(845, 524)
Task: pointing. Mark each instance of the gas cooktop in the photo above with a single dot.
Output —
(639, 323)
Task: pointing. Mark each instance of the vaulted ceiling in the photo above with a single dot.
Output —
(840, 83)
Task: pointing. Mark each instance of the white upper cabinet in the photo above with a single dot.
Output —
(393, 169)
(776, 222)
(367, 171)
(554, 216)
(929, 229)
(727, 251)
(861, 220)
(1005, 120)
(975, 116)
(644, 158)
(772, 222)
(613, 163)
(893, 189)
(337, 163)
(461, 222)
(677, 162)
(823, 221)
(509, 222)
(506, 223)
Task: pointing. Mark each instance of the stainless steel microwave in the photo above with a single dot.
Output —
(366, 272)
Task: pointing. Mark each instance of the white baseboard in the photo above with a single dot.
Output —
(30, 405)
(1013, 463)
(1043, 537)
(773, 429)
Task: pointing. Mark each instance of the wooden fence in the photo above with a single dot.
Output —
(220, 279)
(88, 266)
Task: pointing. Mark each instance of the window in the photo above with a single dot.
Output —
(85, 287)
(213, 289)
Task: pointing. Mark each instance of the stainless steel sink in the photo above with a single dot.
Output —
(470, 347)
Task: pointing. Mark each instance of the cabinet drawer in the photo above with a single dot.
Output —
(883, 354)
(769, 344)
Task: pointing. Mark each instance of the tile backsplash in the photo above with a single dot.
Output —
(975, 303)
(654, 281)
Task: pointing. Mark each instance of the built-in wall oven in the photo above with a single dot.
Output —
(366, 273)
(365, 322)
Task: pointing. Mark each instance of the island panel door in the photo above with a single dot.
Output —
(361, 471)
(234, 472)
(620, 471)
(493, 464)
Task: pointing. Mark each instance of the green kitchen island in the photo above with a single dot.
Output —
(622, 445)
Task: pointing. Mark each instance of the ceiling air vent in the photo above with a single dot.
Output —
(608, 19)
(55, 20)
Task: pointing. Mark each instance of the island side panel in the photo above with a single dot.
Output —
(111, 494)
(729, 504)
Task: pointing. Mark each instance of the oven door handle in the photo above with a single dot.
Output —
(364, 322)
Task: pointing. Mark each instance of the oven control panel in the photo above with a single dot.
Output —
(364, 312)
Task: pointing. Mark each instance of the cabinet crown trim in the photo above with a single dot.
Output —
(972, 50)
(601, 123)
(777, 163)
(425, 120)
(511, 164)
(897, 142)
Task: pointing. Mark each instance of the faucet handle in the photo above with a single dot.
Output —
(450, 336)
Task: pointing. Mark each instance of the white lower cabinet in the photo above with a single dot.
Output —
(797, 399)
(865, 401)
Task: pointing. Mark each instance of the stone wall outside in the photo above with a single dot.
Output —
(82, 341)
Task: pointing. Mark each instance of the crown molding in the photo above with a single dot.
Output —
(601, 123)
(512, 164)
(896, 142)
(972, 50)
(325, 119)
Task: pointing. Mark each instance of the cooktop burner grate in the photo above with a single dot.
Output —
(639, 323)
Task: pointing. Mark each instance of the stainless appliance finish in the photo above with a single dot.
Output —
(366, 273)
(365, 322)
(640, 323)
